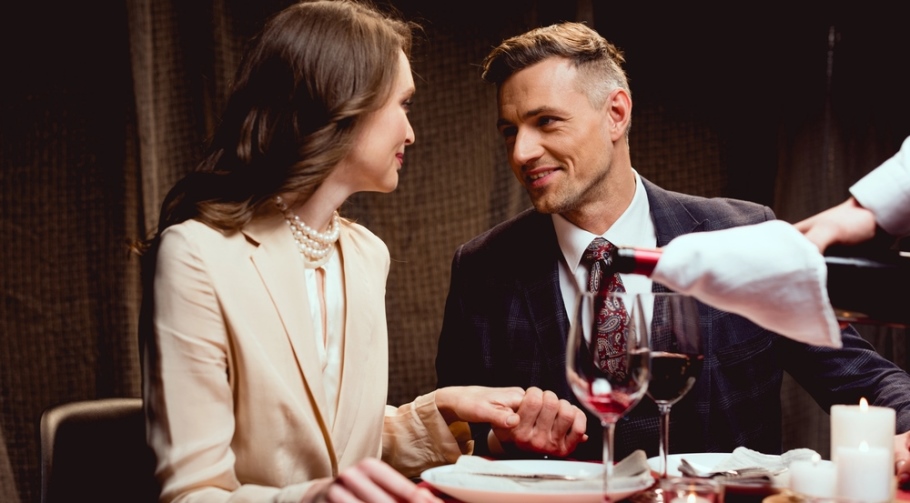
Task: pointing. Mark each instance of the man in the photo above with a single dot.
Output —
(564, 113)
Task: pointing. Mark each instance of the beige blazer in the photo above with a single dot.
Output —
(232, 384)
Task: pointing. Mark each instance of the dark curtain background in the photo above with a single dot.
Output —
(101, 110)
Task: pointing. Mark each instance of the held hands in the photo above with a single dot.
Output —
(547, 425)
(533, 420)
(847, 223)
(372, 481)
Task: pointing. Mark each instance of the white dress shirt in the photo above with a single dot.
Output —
(633, 228)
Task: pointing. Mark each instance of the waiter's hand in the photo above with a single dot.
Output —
(847, 223)
(547, 425)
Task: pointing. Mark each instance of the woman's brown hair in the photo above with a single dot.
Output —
(305, 82)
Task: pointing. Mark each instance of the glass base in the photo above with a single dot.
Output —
(679, 490)
(653, 494)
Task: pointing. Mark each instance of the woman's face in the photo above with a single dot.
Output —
(378, 153)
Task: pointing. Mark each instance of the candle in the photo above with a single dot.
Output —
(852, 425)
(864, 473)
(814, 478)
(856, 425)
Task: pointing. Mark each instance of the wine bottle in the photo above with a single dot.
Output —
(864, 285)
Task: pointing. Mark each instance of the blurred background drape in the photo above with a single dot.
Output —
(100, 112)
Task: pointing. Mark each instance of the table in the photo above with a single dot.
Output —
(902, 495)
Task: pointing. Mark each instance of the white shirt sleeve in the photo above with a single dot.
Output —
(886, 192)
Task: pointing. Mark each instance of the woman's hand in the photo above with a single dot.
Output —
(370, 481)
(479, 404)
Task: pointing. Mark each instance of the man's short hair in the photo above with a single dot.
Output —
(599, 62)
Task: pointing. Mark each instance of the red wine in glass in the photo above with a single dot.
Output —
(674, 335)
(609, 405)
(672, 374)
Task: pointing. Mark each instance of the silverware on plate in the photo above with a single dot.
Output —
(535, 476)
(748, 472)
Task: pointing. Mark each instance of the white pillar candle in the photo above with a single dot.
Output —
(814, 478)
(854, 424)
(864, 473)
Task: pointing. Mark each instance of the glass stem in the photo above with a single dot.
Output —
(608, 458)
(664, 437)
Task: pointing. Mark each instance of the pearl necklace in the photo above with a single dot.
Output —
(315, 247)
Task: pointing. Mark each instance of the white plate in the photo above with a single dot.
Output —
(485, 495)
(705, 461)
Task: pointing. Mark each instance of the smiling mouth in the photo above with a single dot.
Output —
(537, 176)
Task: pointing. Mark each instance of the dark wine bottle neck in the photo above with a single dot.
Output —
(628, 260)
(864, 285)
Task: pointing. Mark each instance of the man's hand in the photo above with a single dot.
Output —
(902, 459)
(547, 425)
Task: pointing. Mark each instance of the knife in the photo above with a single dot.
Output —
(531, 476)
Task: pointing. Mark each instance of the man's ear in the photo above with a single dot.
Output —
(618, 107)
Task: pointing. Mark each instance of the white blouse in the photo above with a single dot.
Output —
(331, 350)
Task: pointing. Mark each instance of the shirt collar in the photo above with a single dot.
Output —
(633, 228)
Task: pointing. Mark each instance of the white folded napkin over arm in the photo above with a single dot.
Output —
(768, 273)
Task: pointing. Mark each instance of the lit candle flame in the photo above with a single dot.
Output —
(863, 404)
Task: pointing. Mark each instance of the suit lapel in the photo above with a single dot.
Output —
(276, 259)
(671, 219)
(669, 213)
(358, 291)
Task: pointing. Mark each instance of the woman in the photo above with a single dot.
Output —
(265, 362)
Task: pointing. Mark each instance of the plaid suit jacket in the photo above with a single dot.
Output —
(505, 325)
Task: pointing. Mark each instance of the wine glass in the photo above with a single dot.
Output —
(608, 391)
(676, 355)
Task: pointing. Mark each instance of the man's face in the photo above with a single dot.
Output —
(558, 143)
